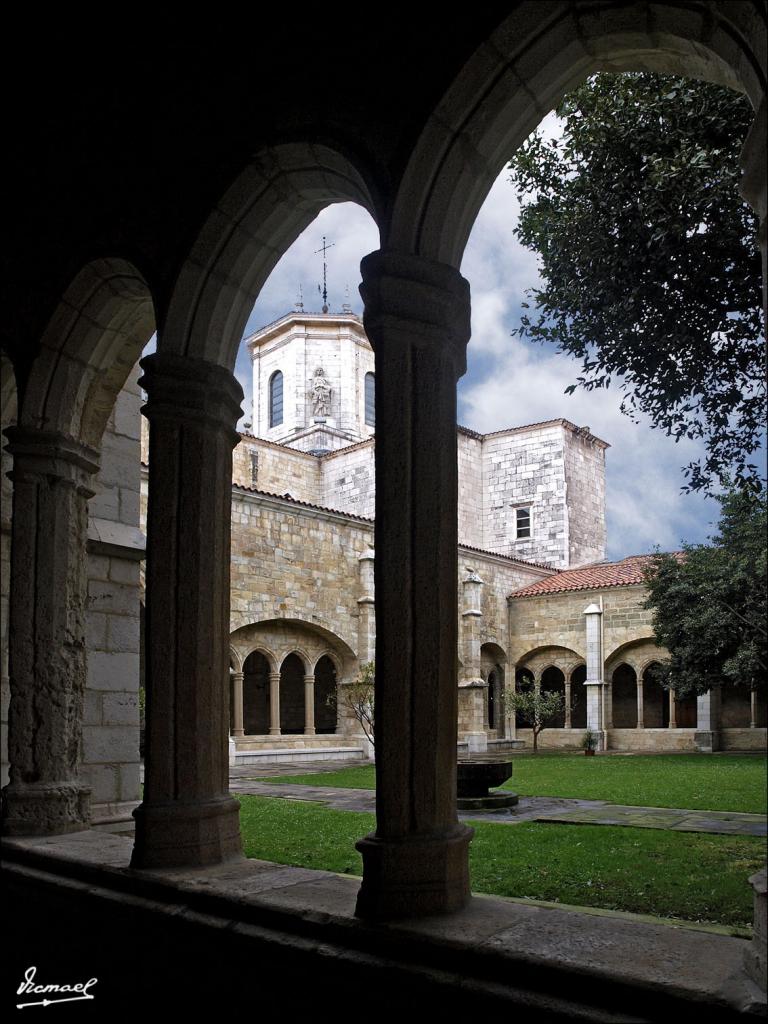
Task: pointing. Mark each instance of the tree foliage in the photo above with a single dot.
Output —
(710, 606)
(357, 699)
(649, 259)
(536, 707)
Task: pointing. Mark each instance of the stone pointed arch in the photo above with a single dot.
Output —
(263, 212)
(522, 71)
(94, 338)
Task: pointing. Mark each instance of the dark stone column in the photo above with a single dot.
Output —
(188, 817)
(52, 477)
(417, 319)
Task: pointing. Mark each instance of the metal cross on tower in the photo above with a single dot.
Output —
(324, 250)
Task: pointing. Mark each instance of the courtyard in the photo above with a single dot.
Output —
(664, 836)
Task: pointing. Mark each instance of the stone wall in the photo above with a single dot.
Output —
(276, 469)
(293, 562)
(558, 619)
(471, 489)
(115, 548)
(349, 480)
(585, 493)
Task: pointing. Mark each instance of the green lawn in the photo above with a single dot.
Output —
(724, 782)
(680, 875)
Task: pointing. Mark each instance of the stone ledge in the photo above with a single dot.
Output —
(492, 954)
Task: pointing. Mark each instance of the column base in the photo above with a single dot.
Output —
(45, 808)
(414, 877)
(187, 835)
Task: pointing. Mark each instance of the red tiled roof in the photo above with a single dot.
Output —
(629, 571)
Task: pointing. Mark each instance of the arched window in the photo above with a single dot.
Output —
(370, 399)
(276, 399)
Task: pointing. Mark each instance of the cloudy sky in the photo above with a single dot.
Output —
(508, 381)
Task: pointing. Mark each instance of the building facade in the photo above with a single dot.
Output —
(531, 512)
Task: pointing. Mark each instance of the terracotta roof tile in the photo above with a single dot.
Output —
(629, 571)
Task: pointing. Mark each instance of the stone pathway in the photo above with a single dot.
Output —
(549, 809)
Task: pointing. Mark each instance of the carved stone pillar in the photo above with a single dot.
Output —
(52, 477)
(417, 319)
(238, 726)
(274, 704)
(640, 703)
(753, 709)
(309, 705)
(188, 816)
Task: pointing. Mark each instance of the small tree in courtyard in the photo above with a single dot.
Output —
(357, 699)
(537, 708)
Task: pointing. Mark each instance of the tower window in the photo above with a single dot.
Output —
(370, 399)
(276, 399)
(522, 523)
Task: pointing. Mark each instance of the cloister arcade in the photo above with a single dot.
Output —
(188, 248)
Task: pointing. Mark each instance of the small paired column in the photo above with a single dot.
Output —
(309, 705)
(672, 709)
(52, 482)
(237, 687)
(188, 817)
(417, 319)
(640, 703)
(568, 703)
(753, 709)
(274, 704)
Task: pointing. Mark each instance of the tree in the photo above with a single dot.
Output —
(710, 605)
(357, 699)
(649, 259)
(536, 707)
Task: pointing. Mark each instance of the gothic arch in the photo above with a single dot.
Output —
(265, 652)
(333, 656)
(300, 653)
(235, 661)
(522, 71)
(631, 651)
(263, 212)
(89, 346)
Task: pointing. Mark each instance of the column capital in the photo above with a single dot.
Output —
(51, 454)
(182, 388)
(414, 300)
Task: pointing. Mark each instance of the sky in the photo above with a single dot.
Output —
(509, 381)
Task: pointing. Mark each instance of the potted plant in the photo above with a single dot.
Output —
(590, 743)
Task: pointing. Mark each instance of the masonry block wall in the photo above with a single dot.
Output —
(471, 488)
(276, 469)
(585, 496)
(291, 562)
(115, 548)
(349, 479)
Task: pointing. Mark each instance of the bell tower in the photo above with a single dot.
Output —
(313, 381)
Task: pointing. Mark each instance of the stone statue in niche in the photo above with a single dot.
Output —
(320, 389)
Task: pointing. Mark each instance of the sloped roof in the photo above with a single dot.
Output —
(628, 571)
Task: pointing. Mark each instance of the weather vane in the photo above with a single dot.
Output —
(324, 250)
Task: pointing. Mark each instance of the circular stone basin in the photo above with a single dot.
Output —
(476, 777)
